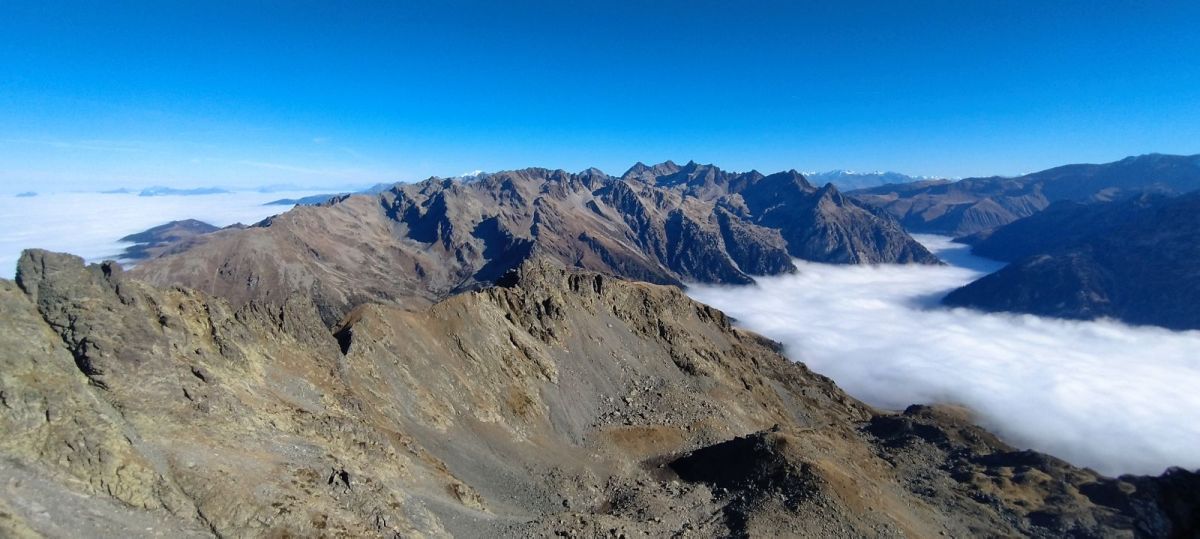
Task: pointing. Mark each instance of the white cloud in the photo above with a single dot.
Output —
(1119, 399)
(88, 224)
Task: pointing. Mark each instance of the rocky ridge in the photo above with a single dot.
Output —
(415, 244)
(973, 205)
(557, 402)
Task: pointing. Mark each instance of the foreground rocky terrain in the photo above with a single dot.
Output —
(556, 402)
(1137, 260)
(973, 205)
(415, 244)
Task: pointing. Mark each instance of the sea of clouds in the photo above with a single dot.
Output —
(89, 224)
(1116, 398)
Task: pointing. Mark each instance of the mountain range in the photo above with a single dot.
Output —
(848, 180)
(975, 204)
(1135, 259)
(415, 244)
(158, 191)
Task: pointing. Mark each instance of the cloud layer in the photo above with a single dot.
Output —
(1102, 394)
(88, 224)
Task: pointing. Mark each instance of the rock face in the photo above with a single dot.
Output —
(818, 224)
(977, 204)
(557, 402)
(418, 243)
(1136, 260)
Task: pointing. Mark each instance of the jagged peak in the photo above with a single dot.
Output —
(637, 168)
(642, 171)
(830, 191)
(790, 176)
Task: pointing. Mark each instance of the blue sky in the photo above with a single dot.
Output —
(246, 93)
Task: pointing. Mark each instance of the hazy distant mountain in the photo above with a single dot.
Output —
(312, 200)
(1136, 259)
(159, 190)
(316, 200)
(173, 231)
(417, 243)
(164, 238)
(848, 180)
(27, 194)
(975, 204)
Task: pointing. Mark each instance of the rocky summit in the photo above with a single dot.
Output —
(555, 402)
(415, 244)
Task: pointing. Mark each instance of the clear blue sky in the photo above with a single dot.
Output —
(104, 94)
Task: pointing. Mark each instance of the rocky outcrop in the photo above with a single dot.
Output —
(417, 243)
(976, 204)
(557, 402)
(1135, 260)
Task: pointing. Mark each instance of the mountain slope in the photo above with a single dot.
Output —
(1137, 260)
(976, 204)
(416, 243)
(165, 238)
(558, 402)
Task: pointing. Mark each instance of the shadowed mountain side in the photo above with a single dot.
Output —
(558, 402)
(1137, 260)
(417, 243)
(977, 204)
